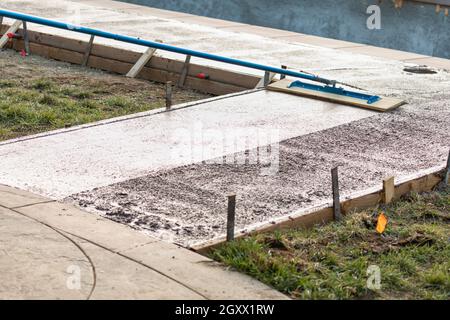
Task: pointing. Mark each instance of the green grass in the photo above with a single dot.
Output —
(331, 261)
(29, 106)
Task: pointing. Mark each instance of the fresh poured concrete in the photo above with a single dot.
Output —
(415, 27)
(71, 161)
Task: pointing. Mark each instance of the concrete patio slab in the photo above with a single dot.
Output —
(54, 251)
(170, 23)
(114, 236)
(321, 42)
(34, 260)
(383, 53)
(210, 22)
(13, 198)
(118, 277)
(180, 265)
(261, 31)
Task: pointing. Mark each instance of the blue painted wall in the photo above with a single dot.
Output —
(415, 27)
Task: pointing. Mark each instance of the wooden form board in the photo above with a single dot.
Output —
(120, 61)
(385, 104)
(388, 190)
(315, 217)
(12, 29)
(158, 75)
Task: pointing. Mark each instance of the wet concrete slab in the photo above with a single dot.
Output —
(188, 205)
(71, 161)
(183, 201)
(267, 47)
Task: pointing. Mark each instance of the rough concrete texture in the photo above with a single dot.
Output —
(186, 204)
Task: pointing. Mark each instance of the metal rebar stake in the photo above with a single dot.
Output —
(169, 90)
(87, 52)
(26, 39)
(336, 201)
(266, 79)
(231, 216)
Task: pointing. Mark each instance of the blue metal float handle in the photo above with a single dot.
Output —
(370, 99)
(161, 46)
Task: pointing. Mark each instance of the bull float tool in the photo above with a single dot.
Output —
(326, 90)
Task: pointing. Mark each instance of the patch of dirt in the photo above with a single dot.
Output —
(26, 69)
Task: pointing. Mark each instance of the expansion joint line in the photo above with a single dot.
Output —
(60, 232)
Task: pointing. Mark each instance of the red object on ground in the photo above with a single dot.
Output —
(202, 76)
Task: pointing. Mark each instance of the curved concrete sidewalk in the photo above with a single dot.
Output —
(51, 250)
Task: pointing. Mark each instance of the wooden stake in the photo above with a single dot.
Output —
(231, 216)
(87, 52)
(184, 72)
(169, 90)
(388, 190)
(336, 201)
(266, 78)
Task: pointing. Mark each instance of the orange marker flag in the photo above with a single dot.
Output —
(382, 223)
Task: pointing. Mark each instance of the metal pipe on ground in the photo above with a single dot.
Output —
(160, 46)
(336, 199)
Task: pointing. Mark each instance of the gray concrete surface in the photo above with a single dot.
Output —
(183, 202)
(415, 27)
(54, 251)
(34, 259)
(263, 45)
